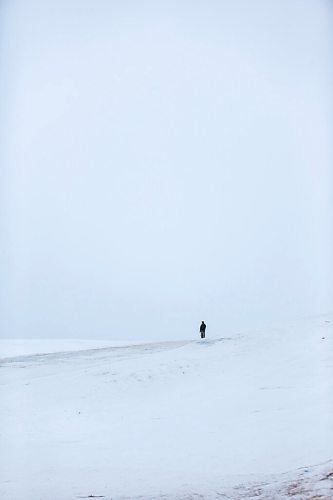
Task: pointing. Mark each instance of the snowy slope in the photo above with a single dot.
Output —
(230, 417)
(21, 347)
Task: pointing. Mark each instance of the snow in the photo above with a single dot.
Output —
(23, 347)
(231, 417)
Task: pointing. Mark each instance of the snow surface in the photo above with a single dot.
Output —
(233, 417)
(21, 347)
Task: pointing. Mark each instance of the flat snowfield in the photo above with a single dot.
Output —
(236, 417)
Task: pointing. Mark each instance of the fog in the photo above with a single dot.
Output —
(164, 163)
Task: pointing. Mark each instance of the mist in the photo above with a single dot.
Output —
(164, 163)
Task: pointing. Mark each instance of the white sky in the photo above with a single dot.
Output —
(164, 163)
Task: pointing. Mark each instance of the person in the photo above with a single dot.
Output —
(203, 329)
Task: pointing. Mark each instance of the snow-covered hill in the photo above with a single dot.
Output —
(233, 417)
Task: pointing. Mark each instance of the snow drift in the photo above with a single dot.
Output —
(231, 417)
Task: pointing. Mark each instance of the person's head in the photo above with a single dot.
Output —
(202, 321)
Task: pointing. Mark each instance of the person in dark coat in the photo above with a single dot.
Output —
(203, 329)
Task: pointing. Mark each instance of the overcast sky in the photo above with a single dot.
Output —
(163, 163)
